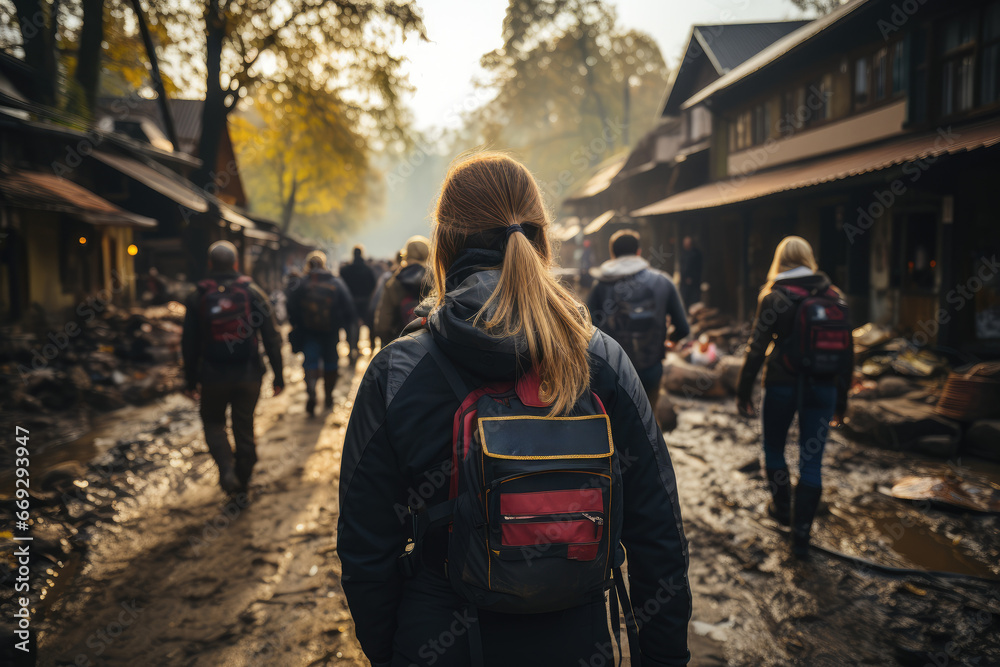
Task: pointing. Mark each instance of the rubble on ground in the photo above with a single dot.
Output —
(56, 373)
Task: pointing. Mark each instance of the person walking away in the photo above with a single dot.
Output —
(802, 336)
(691, 267)
(360, 280)
(227, 315)
(380, 288)
(631, 302)
(404, 291)
(318, 308)
(526, 584)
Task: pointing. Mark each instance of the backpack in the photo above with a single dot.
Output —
(638, 322)
(821, 340)
(535, 502)
(408, 304)
(226, 312)
(319, 299)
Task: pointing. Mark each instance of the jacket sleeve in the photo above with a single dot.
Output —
(652, 532)
(675, 309)
(370, 534)
(269, 334)
(191, 343)
(760, 338)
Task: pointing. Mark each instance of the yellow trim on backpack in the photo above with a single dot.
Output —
(607, 422)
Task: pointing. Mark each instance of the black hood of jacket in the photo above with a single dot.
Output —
(817, 281)
(411, 276)
(470, 282)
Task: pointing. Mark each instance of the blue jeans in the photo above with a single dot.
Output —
(320, 347)
(815, 409)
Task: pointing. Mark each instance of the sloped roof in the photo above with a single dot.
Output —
(827, 169)
(186, 113)
(48, 192)
(735, 43)
(776, 51)
(726, 46)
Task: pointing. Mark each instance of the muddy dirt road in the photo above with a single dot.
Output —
(169, 573)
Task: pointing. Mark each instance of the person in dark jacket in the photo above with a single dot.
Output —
(225, 318)
(631, 303)
(360, 280)
(492, 247)
(403, 292)
(318, 308)
(691, 268)
(819, 401)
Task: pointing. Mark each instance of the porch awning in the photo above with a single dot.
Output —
(600, 181)
(828, 169)
(171, 186)
(598, 222)
(48, 192)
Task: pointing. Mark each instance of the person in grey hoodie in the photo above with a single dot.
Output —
(631, 302)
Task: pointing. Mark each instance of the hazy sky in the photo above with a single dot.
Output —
(460, 31)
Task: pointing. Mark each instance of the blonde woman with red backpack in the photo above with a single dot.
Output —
(501, 461)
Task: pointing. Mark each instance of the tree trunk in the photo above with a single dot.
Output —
(213, 117)
(288, 207)
(38, 40)
(88, 61)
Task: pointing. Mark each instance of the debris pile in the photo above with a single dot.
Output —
(102, 362)
(905, 397)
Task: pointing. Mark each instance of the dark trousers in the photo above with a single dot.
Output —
(690, 293)
(650, 379)
(815, 408)
(242, 396)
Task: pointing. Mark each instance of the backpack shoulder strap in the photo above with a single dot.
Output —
(455, 381)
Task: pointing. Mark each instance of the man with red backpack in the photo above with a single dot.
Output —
(318, 308)
(403, 292)
(227, 317)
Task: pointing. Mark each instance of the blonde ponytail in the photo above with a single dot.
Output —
(491, 190)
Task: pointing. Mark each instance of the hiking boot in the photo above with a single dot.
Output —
(228, 480)
(806, 504)
(780, 507)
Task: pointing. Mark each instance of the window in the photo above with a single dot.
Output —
(957, 48)
(818, 99)
(880, 65)
(862, 82)
(761, 124)
(898, 68)
(741, 131)
(991, 54)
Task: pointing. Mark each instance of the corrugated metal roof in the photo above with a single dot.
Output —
(825, 170)
(775, 51)
(734, 43)
(165, 182)
(48, 192)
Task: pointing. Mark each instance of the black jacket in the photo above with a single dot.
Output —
(342, 315)
(626, 281)
(199, 370)
(360, 279)
(397, 445)
(773, 322)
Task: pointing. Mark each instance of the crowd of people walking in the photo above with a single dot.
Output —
(533, 411)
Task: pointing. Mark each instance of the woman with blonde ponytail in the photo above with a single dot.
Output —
(499, 318)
